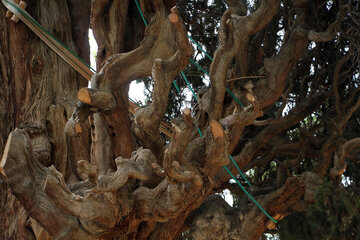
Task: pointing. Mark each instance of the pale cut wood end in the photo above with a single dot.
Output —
(250, 97)
(187, 111)
(216, 129)
(22, 5)
(173, 18)
(5, 155)
(84, 95)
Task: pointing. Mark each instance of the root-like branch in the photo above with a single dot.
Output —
(139, 166)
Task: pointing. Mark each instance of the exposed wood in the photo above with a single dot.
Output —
(9, 14)
(216, 129)
(250, 97)
(79, 116)
(158, 170)
(173, 18)
(5, 155)
(22, 5)
(187, 117)
(78, 129)
(101, 99)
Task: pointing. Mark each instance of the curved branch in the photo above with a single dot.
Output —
(340, 156)
(215, 219)
(161, 41)
(139, 166)
(147, 120)
(234, 32)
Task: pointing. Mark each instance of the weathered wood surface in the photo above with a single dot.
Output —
(124, 180)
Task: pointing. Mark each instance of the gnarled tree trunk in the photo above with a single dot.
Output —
(78, 165)
(39, 92)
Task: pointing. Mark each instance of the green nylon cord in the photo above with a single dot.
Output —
(197, 44)
(134, 102)
(39, 27)
(191, 89)
(234, 97)
(199, 67)
(249, 195)
(200, 133)
(142, 15)
(241, 173)
(176, 86)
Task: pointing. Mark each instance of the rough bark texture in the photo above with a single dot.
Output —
(39, 93)
(78, 165)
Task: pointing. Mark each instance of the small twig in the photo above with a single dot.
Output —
(245, 77)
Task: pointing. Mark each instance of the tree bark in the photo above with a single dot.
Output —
(78, 165)
(39, 92)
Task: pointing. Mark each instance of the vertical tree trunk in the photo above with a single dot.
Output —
(115, 32)
(38, 90)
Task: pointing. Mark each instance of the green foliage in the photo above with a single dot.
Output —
(334, 215)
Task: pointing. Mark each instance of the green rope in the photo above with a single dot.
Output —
(249, 195)
(191, 89)
(39, 27)
(197, 44)
(241, 173)
(235, 98)
(231, 158)
(134, 102)
(176, 86)
(199, 67)
(200, 133)
(142, 15)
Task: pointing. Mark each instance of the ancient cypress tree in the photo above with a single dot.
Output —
(77, 164)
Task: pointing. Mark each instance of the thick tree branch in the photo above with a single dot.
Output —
(139, 166)
(277, 69)
(24, 175)
(147, 120)
(160, 41)
(217, 220)
(234, 30)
